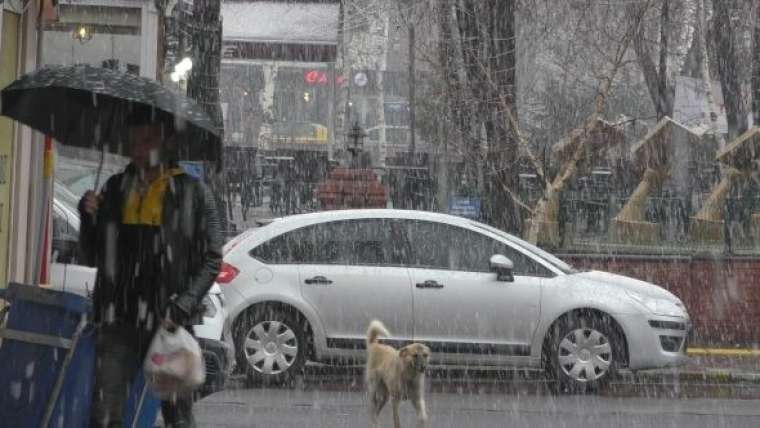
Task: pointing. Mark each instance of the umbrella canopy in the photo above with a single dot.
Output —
(88, 107)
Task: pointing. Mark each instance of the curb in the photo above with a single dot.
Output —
(709, 376)
(717, 376)
(724, 352)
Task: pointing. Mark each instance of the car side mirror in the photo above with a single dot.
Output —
(503, 268)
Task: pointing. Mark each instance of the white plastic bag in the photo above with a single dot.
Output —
(174, 363)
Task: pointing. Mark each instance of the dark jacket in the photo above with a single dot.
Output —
(189, 237)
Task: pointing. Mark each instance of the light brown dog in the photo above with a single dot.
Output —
(395, 374)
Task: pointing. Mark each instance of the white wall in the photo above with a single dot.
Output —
(27, 207)
(60, 47)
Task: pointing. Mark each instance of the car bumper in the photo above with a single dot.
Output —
(216, 355)
(656, 341)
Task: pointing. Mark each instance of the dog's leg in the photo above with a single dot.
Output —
(396, 419)
(378, 398)
(373, 410)
(419, 405)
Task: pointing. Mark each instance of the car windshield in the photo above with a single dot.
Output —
(557, 200)
(66, 197)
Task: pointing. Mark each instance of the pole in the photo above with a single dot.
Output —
(331, 111)
(412, 85)
(43, 252)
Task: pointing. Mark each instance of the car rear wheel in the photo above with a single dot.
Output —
(584, 353)
(271, 346)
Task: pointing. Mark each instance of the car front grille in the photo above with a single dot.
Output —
(667, 325)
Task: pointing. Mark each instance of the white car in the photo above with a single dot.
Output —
(305, 287)
(67, 275)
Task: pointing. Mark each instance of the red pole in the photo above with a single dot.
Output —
(47, 174)
(44, 265)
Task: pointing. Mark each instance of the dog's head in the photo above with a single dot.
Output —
(415, 356)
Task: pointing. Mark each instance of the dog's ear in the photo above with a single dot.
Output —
(403, 352)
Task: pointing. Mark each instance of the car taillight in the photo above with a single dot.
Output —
(226, 273)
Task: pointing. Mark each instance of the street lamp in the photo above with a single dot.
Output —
(181, 70)
(82, 34)
(356, 134)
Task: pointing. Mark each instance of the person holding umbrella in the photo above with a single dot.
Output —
(153, 233)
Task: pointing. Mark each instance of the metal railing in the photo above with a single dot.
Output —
(585, 219)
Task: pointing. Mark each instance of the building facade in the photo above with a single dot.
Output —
(120, 34)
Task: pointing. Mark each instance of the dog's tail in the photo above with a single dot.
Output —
(375, 330)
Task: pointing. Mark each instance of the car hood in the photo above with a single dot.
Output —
(625, 283)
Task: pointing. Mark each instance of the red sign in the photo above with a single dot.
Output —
(318, 77)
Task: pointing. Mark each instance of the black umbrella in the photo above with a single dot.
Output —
(88, 107)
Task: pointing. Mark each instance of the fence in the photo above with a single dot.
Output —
(585, 218)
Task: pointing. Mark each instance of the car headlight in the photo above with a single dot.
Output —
(209, 308)
(659, 306)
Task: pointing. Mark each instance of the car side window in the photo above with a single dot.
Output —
(367, 242)
(429, 244)
(441, 246)
(295, 246)
(360, 242)
(473, 252)
(331, 244)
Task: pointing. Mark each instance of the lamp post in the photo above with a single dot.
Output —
(356, 135)
(180, 73)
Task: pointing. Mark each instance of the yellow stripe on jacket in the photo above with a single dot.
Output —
(147, 208)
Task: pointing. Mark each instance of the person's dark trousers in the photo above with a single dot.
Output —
(120, 351)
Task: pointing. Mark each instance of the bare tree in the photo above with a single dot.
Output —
(756, 67)
(205, 31)
(655, 75)
(479, 68)
(726, 52)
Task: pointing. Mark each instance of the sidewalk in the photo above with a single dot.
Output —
(254, 214)
(717, 365)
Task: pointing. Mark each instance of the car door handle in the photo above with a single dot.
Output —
(318, 280)
(429, 284)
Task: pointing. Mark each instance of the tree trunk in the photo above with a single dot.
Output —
(412, 84)
(502, 150)
(203, 85)
(171, 32)
(692, 66)
(342, 95)
(206, 35)
(656, 79)
(723, 34)
(756, 68)
(663, 77)
(469, 37)
(448, 62)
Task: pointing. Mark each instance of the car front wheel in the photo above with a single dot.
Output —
(584, 353)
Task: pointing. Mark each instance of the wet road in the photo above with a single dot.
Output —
(284, 408)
